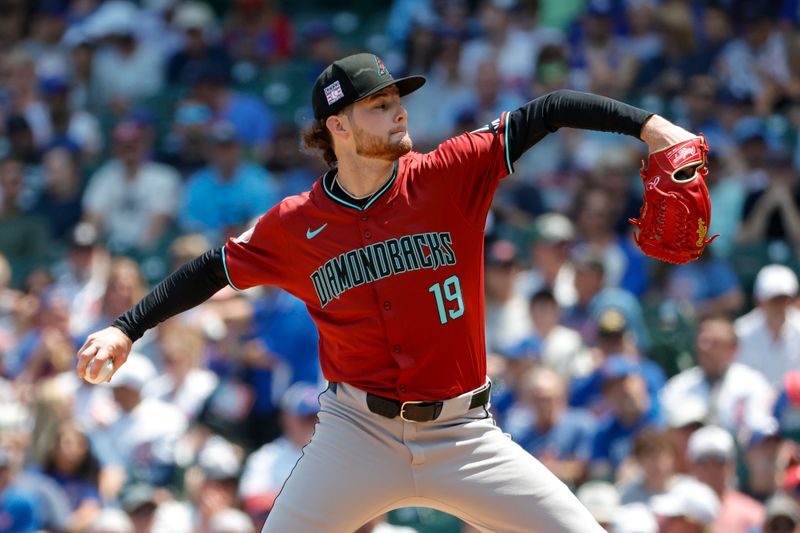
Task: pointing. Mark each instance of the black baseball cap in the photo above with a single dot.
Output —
(354, 78)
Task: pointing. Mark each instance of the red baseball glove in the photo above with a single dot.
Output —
(676, 210)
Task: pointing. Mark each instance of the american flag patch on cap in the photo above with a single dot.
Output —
(333, 92)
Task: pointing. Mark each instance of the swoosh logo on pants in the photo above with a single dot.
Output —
(311, 234)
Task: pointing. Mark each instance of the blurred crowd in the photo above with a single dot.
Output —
(135, 136)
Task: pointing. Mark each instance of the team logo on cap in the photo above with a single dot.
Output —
(333, 92)
(381, 67)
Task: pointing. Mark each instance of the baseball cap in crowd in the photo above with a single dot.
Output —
(553, 228)
(230, 521)
(711, 442)
(611, 321)
(501, 253)
(634, 518)
(193, 16)
(749, 128)
(688, 498)
(111, 520)
(354, 78)
(134, 497)
(115, 17)
(782, 506)
(601, 499)
(301, 399)
(135, 373)
(600, 8)
(84, 235)
(682, 411)
(773, 281)
(218, 459)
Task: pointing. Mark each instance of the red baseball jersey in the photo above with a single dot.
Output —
(395, 287)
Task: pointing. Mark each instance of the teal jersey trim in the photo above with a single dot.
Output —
(505, 144)
(374, 197)
(228, 276)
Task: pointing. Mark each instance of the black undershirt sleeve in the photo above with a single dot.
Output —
(189, 286)
(563, 108)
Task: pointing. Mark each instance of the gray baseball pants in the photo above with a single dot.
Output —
(359, 465)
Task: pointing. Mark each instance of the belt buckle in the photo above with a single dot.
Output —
(403, 408)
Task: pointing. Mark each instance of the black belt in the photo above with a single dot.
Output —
(416, 411)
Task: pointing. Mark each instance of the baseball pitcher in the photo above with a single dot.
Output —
(386, 250)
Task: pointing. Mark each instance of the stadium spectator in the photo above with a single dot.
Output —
(254, 123)
(772, 212)
(507, 317)
(754, 65)
(665, 74)
(221, 199)
(72, 464)
(689, 507)
(559, 347)
(60, 199)
(124, 286)
(139, 501)
(140, 445)
(513, 50)
(614, 338)
(258, 32)
(67, 125)
(268, 467)
(655, 456)
(186, 145)
(783, 515)
(130, 199)
(622, 263)
(735, 395)
(17, 507)
(81, 45)
(558, 436)
(773, 327)
(712, 458)
(24, 97)
(683, 416)
(600, 59)
(549, 258)
(196, 21)
(631, 410)
(24, 237)
(184, 383)
(708, 285)
(588, 282)
(602, 501)
(82, 276)
(634, 518)
(111, 520)
(126, 69)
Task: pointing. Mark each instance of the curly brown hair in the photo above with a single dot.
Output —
(316, 137)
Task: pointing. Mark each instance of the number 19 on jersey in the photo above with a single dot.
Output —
(449, 290)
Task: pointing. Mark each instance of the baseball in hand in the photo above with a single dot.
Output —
(106, 370)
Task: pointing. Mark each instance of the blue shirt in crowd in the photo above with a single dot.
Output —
(613, 442)
(570, 438)
(211, 204)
